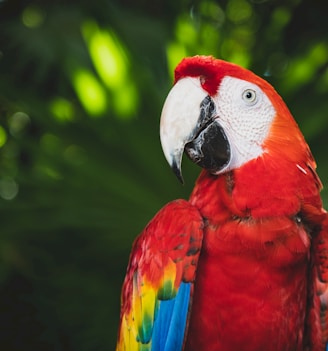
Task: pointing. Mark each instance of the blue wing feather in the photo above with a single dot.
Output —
(170, 324)
(179, 319)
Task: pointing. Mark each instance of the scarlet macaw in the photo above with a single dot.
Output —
(243, 264)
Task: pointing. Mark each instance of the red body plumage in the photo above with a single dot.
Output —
(255, 275)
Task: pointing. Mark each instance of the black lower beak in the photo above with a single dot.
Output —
(209, 147)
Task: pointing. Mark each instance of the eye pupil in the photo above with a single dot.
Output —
(249, 96)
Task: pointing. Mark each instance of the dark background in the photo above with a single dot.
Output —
(82, 84)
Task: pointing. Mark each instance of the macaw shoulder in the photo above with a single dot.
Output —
(172, 235)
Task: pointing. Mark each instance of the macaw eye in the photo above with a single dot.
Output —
(249, 96)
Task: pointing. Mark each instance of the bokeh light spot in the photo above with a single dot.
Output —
(3, 136)
(51, 143)
(8, 188)
(75, 155)
(239, 11)
(32, 16)
(281, 16)
(18, 122)
(107, 54)
(303, 68)
(111, 62)
(125, 100)
(175, 52)
(91, 93)
(62, 109)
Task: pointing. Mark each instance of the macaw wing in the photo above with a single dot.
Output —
(158, 287)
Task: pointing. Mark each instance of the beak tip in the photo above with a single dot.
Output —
(177, 171)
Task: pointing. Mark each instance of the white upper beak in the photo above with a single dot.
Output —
(179, 117)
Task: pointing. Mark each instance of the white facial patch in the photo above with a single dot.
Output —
(245, 113)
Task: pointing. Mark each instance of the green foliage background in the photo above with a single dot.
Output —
(82, 84)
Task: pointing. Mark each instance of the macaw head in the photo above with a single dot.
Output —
(223, 116)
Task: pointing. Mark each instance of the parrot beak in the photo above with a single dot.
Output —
(179, 117)
(189, 123)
